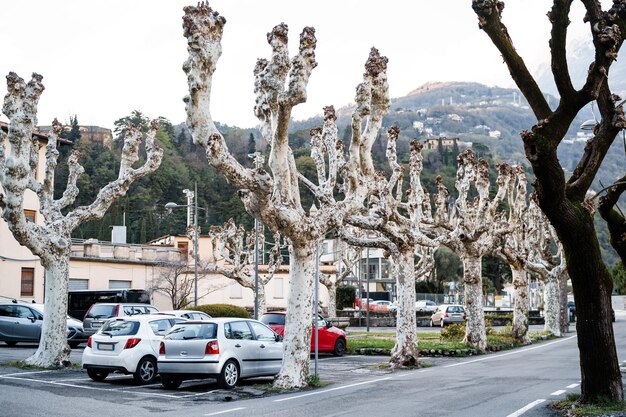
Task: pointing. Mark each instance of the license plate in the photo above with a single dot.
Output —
(95, 325)
(105, 346)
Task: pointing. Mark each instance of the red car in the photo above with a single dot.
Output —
(332, 339)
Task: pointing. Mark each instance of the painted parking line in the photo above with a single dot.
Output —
(199, 394)
(225, 411)
(559, 392)
(525, 408)
(570, 386)
(28, 373)
(332, 389)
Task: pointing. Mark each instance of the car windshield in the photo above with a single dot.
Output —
(192, 331)
(101, 312)
(120, 328)
(273, 319)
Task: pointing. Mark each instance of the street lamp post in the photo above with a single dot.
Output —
(195, 207)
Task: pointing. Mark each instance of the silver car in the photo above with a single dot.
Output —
(447, 314)
(223, 348)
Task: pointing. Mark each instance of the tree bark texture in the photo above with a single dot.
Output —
(405, 352)
(519, 328)
(551, 311)
(295, 369)
(475, 332)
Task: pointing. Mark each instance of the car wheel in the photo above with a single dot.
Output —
(11, 343)
(441, 323)
(170, 382)
(431, 323)
(74, 345)
(97, 375)
(340, 347)
(146, 371)
(229, 376)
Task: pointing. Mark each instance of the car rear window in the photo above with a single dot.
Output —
(192, 331)
(120, 328)
(100, 312)
(273, 319)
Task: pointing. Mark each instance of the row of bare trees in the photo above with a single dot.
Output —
(350, 191)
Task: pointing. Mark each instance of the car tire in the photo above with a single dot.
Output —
(74, 345)
(146, 371)
(97, 375)
(170, 382)
(431, 323)
(229, 375)
(441, 323)
(11, 343)
(340, 347)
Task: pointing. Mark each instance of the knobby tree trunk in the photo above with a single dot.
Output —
(53, 348)
(563, 313)
(551, 311)
(519, 328)
(295, 369)
(475, 333)
(405, 352)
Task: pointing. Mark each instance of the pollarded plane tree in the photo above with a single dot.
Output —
(564, 201)
(546, 259)
(515, 249)
(395, 226)
(473, 228)
(236, 258)
(273, 196)
(51, 241)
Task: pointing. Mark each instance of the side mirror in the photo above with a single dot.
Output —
(278, 338)
(329, 324)
(32, 319)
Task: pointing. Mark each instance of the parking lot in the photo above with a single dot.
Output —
(121, 389)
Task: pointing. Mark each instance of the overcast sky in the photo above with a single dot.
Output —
(101, 59)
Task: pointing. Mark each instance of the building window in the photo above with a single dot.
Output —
(78, 284)
(278, 287)
(31, 215)
(235, 291)
(28, 282)
(119, 285)
(183, 247)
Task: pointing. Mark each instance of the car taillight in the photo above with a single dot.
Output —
(116, 311)
(212, 348)
(89, 342)
(131, 343)
(87, 313)
(446, 315)
(162, 349)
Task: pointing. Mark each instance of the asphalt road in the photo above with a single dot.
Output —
(501, 384)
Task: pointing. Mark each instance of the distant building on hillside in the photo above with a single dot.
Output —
(446, 143)
(92, 134)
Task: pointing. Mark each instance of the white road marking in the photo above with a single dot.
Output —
(225, 411)
(516, 352)
(571, 386)
(559, 392)
(28, 373)
(88, 387)
(332, 389)
(525, 408)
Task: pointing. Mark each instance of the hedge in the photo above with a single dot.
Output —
(222, 310)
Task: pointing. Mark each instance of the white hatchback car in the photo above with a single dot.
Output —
(223, 348)
(129, 345)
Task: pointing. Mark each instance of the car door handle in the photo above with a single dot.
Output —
(262, 346)
(237, 345)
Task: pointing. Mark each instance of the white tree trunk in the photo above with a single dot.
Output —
(405, 352)
(53, 349)
(332, 299)
(262, 305)
(551, 310)
(297, 339)
(475, 333)
(519, 328)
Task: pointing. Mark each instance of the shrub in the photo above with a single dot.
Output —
(453, 332)
(223, 310)
(345, 296)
